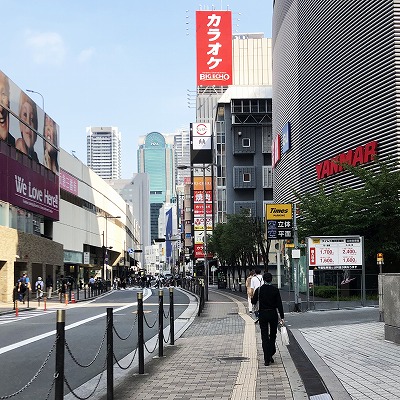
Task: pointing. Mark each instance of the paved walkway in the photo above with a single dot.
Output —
(218, 355)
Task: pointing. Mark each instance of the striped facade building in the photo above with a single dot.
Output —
(335, 90)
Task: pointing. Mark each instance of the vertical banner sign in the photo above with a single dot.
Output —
(214, 48)
(199, 190)
(276, 150)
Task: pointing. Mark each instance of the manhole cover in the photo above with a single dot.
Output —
(233, 358)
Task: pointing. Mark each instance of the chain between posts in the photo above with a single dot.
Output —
(60, 344)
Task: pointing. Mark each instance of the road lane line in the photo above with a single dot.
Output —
(25, 342)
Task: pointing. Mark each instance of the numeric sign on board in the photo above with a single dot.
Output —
(335, 252)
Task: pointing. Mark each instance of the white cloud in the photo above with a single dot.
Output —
(86, 54)
(46, 47)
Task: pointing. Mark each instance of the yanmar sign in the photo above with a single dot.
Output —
(360, 155)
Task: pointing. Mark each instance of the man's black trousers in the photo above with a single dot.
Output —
(269, 325)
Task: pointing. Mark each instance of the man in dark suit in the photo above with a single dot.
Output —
(269, 301)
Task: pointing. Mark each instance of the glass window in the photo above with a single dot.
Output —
(246, 142)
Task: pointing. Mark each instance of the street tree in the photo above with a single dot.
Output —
(373, 211)
(237, 243)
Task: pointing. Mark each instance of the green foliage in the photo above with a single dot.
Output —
(372, 211)
(235, 242)
(324, 291)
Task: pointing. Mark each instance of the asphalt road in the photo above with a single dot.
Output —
(27, 351)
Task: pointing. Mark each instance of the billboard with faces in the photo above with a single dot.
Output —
(33, 143)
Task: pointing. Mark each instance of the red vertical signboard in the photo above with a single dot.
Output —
(214, 48)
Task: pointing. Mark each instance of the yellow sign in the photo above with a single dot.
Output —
(278, 212)
(379, 257)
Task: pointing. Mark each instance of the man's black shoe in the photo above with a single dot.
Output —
(266, 364)
(256, 321)
(272, 360)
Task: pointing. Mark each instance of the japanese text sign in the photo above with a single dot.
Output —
(214, 48)
(335, 252)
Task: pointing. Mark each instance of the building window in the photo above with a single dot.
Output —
(246, 177)
(246, 142)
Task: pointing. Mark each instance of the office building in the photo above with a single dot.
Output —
(104, 151)
(335, 91)
(243, 130)
(136, 191)
(156, 159)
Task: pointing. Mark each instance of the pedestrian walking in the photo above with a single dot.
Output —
(248, 290)
(63, 290)
(23, 286)
(256, 282)
(269, 301)
(49, 286)
(39, 287)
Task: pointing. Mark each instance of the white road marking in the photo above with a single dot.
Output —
(25, 342)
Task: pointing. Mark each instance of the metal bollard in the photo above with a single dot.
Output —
(140, 332)
(60, 355)
(110, 352)
(160, 323)
(171, 316)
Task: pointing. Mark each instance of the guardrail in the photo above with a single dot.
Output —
(106, 349)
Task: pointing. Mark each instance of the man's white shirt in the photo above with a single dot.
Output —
(256, 282)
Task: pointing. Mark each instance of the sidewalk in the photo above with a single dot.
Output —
(218, 357)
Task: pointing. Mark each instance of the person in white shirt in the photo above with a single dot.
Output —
(39, 286)
(256, 282)
(249, 290)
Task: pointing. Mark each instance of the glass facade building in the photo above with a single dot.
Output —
(156, 158)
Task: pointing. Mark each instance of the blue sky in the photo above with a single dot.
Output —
(119, 63)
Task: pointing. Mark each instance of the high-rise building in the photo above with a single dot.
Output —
(104, 151)
(156, 158)
(181, 154)
(135, 191)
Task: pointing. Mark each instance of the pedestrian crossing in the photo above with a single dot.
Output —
(22, 315)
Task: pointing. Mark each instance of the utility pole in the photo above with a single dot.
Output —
(296, 257)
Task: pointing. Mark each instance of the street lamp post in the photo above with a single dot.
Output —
(205, 250)
(40, 94)
(105, 266)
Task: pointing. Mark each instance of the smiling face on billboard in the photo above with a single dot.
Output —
(28, 118)
(4, 100)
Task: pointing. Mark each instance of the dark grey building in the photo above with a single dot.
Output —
(335, 84)
(243, 146)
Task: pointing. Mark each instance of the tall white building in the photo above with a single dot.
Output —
(182, 154)
(104, 151)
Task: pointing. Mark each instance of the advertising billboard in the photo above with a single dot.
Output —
(25, 126)
(328, 252)
(279, 219)
(214, 48)
(29, 147)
